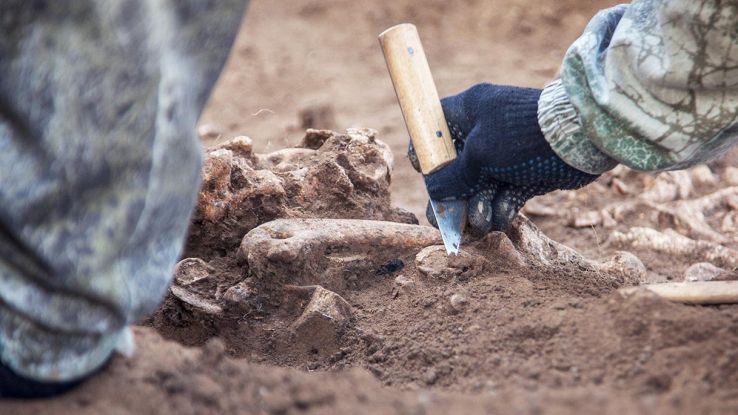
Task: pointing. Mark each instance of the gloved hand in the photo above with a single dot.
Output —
(503, 158)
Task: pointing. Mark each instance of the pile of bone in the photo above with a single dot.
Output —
(690, 213)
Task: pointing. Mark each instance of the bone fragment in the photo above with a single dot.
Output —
(674, 244)
(326, 251)
(704, 292)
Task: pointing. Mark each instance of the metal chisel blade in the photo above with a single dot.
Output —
(450, 216)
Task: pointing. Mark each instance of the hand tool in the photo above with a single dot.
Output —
(421, 108)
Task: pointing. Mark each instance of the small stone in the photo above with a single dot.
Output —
(627, 264)
(313, 365)
(241, 145)
(314, 139)
(731, 175)
(702, 271)
(323, 321)
(535, 208)
(404, 281)
(404, 285)
(607, 220)
(209, 131)
(659, 189)
(191, 270)
(586, 219)
(620, 187)
(376, 371)
(728, 224)
(400, 215)
(702, 175)
(240, 293)
(503, 250)
(430, 376)
(459, 302)
(434, 262)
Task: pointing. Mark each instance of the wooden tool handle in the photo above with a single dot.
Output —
(698, 292)
(418, 97)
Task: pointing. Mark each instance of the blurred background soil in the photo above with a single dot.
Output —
(321, 58)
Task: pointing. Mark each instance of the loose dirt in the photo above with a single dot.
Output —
(279, 310)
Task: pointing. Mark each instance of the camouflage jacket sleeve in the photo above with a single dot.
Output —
(99, 167)
(652, 85)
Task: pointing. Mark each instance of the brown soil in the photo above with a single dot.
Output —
(511, 327)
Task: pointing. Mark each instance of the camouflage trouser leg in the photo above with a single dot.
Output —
(99, 166)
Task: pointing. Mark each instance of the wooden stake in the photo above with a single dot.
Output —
(702, 292)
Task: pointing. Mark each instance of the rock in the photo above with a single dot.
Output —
(323, 322)
(241, 145)
(668, 186)
(620, 187)
(430, 376)
(702, 271)
(502, 252)
(191, 270)
(607, 220)
(535, 208)
(537, 248)
(314, 139)
(239, 295)
(404, 281)
(705, 271)
(731, 175)
(285, 160)
(458, 302)
(434, 262)
(403, 285)
(627, 264)
(728, 224)
(703, 176)
(586, 219)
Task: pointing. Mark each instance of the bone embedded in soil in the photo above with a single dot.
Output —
(328, 251)
(334, 175)
(321, 273)
(324, 320)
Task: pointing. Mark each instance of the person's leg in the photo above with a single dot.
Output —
(99, 169)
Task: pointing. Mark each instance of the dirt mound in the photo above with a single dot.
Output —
(518, 323)
(511, 327)
(517, 314)
(329, 175)
(165, 378)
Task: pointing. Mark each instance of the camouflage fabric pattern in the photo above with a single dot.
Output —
(99, 167)
(651, 85)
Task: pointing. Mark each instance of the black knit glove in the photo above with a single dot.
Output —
(503, 160)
